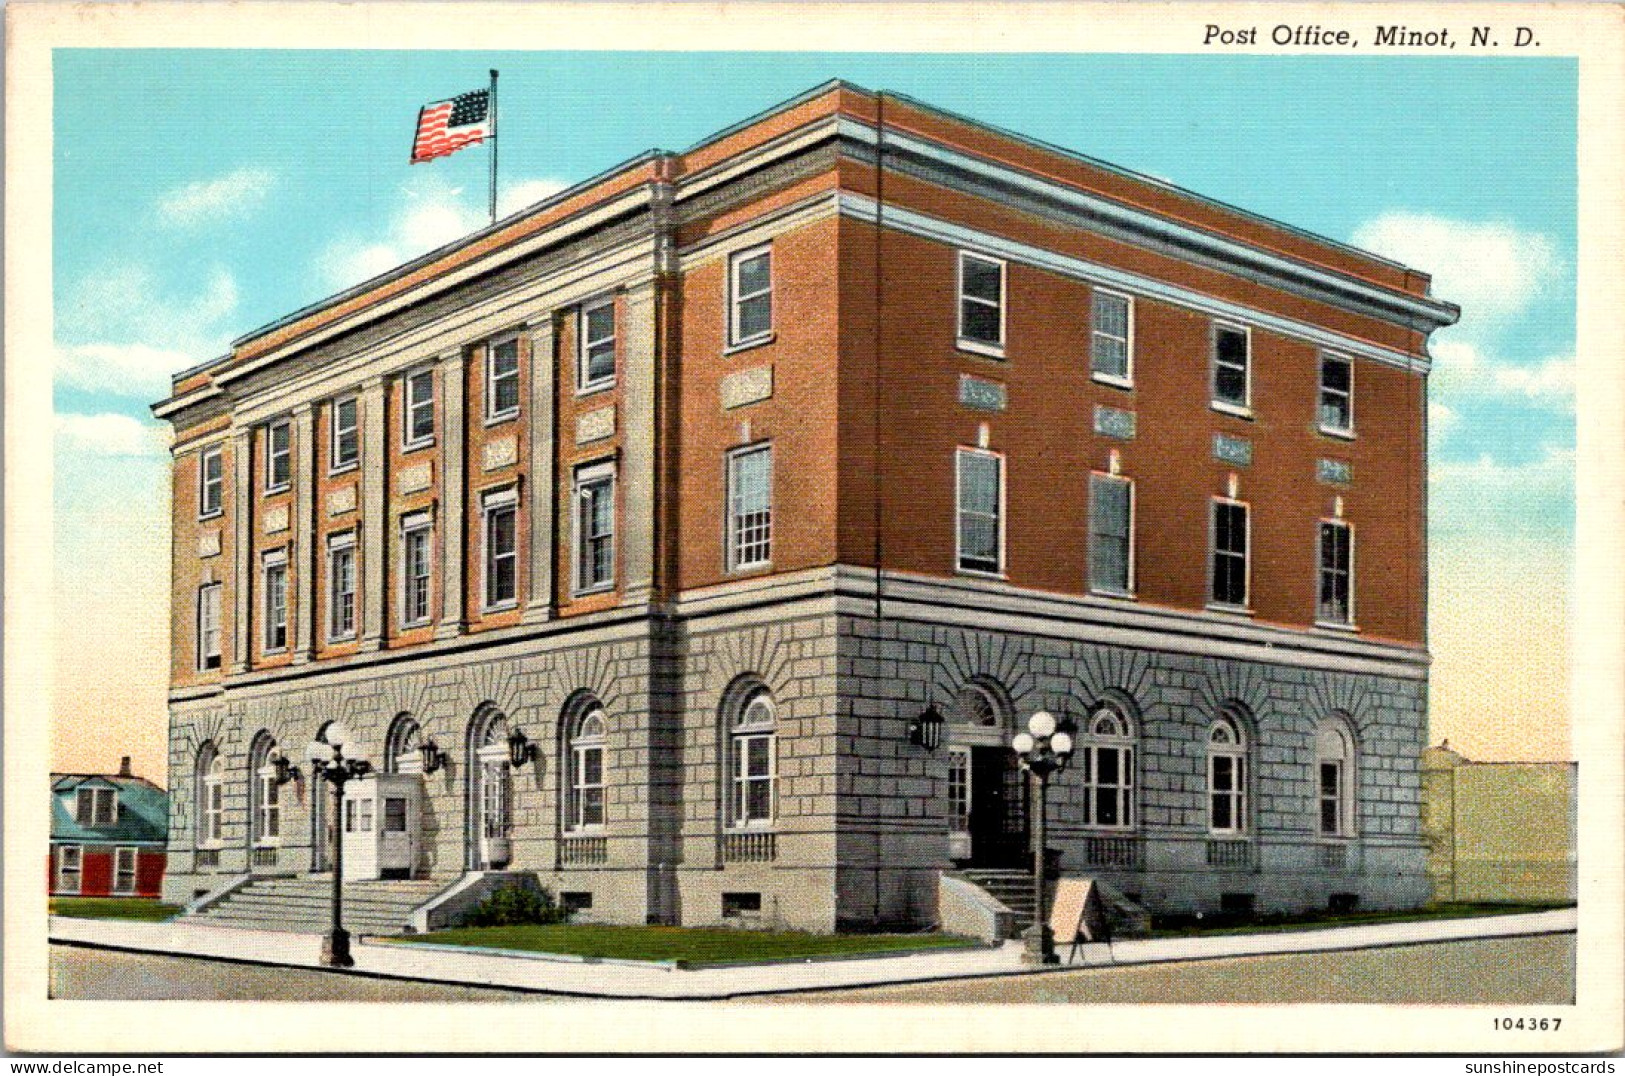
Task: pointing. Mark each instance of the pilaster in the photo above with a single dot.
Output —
(543, 376)
(637, 476)
(374, 521)
(453, 397)
(242, 545)
(306, 562)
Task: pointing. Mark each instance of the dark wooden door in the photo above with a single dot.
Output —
(998, 814)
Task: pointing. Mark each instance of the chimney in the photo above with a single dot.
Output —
(124, 767)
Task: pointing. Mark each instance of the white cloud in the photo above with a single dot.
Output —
(121, 332)
(1492, 270)
(125, 369)
(109, 434)
(526, 193)
(1462, 370)
(1441, 420)
(226, 197)
(1485, 495)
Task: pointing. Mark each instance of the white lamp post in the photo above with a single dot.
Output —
(327, 762)
(1043, 749)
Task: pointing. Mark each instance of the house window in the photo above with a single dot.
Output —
(501, 548)
(345, 418)
(341, 586)
(1335, 604)
(208, 626)
(211, 481)
(419, 411)
(752, 762)
(595, 528)
(124, 870)
(274, 595)
(1334, 766)
(358, 816)
(981, 303)
(70, 860)
(597, 361)
(750, 290)
(1111, 534)
(210, 797)
(1111, 348)
(1106, 755)
(587, 771)
(502, 380)
(1232, 386)
(980, 502)
(415, 576)
(1230, 539)
(959, 789)
(1226, 777)
(266, 813)
(1336, 395)
(750, 507)
(96, 808)
(278, 456)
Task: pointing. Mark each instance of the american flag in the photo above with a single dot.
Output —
(444, 127)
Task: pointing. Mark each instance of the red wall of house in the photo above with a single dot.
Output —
(96, 878)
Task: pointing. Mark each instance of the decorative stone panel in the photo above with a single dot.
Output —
(981, 394)
(1114, 422)
(1334, 472)
(502, 452)
(276, 519)
(595, 425)
(1236, 450)
(208, 544)
(341, 500)
(747, 387)
(416, 478)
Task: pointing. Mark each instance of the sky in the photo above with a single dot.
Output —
(199, 194)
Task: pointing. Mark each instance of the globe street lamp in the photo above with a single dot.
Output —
(327, 762)
(1043, 749)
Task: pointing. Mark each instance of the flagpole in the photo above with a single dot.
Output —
(493, 145)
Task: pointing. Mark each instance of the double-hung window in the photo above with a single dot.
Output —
(750, 507)
(124, 870)
(70, 863)
(501, 511)
(596, 368)
(346, 422)
(1232, 368)
(1334, 765)
(274, 595)
(752, 761)
(341, 586)
(502, 380)
(750, 296)
(1336, 395)
(980, 507)
(211, 481)
(595, 528)
(1335, 601)
(1111, 339)
(981, 304)
(586, 804)
(1111, 534)
(416, 581)
(1226, 778)
(278, 455)
(1230, 533)
(96, 808)
(1106, 757)
(418, 410)
(211, 796)
(208, 626)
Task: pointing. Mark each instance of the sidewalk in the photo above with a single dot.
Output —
(627, 980)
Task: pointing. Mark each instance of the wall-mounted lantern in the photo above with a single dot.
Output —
(520, 750)
(433, 757)
(926, 730)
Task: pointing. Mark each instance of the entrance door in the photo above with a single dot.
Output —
(400, 811)
(998, 808)
(959, 804)
(495, 816)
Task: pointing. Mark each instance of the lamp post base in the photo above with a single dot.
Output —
(1040, 946)
(336, 949)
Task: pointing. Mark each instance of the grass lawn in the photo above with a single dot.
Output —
(1188, 926)
(691, 945)
(112, 908)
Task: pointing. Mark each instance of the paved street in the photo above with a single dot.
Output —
(1508, 970)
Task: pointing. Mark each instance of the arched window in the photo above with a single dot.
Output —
(753, 760)
(1334, 776)
(1106, 757)
(211, 793)
(976, 706)
(587, 742)
(1226, 776)
(401, 749)
(266, 814)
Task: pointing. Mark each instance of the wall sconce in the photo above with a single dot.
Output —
(520, 750)
(926, 730)
(285, 770)
(433, 757)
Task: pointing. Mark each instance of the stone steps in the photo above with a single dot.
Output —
(304, 905)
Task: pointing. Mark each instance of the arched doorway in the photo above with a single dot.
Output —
(490, 791)
(987, 795)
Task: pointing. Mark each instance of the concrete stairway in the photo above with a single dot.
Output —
(1011, 887)
(304, 905)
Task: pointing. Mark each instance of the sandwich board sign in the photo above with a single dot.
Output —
(1077, 915)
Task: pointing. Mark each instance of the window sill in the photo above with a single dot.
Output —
(750, 342)
(1229, 835)
(417, 446)
(216, 514)
(753, 826)
(1333, 431)
(499, 419)
(754, 568)
(274, 651)
(597, 830)
(588, 592)
(1114, 595)
(507, 605)
(593, 388)
(1230, 610)
(1348, 627)
(283, 488)
(977, 347)
(1124, 383)
(1234, 410)
(344, 468)
(339, 640)
(979, 573)
(418, 625)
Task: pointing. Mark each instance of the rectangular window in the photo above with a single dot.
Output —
(394, 814)
(501, 549)
(1111, 357)
(416, 581)
(1108, 782)
(595, 528)
(959, 789)
(1331, 798)
(597, 360)
(750, 507)
(274, 594)
(278, 456)
(587, 781)
(1336, 395)
(341, 586)
(753, 778)
(981, 303)
(1230, 540)
(1336, 597)
(124, 870)
(95, 808)
(358, 816)
(269, 828)
(981, 496)
(345, 419)
(1227, 803)
(1111, 534)
(502, 380)
(750, 296)
(419, 409)
(208, 626)
(1232, 376)
(211, 481)
(69, 867)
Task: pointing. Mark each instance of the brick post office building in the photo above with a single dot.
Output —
(629, 536)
